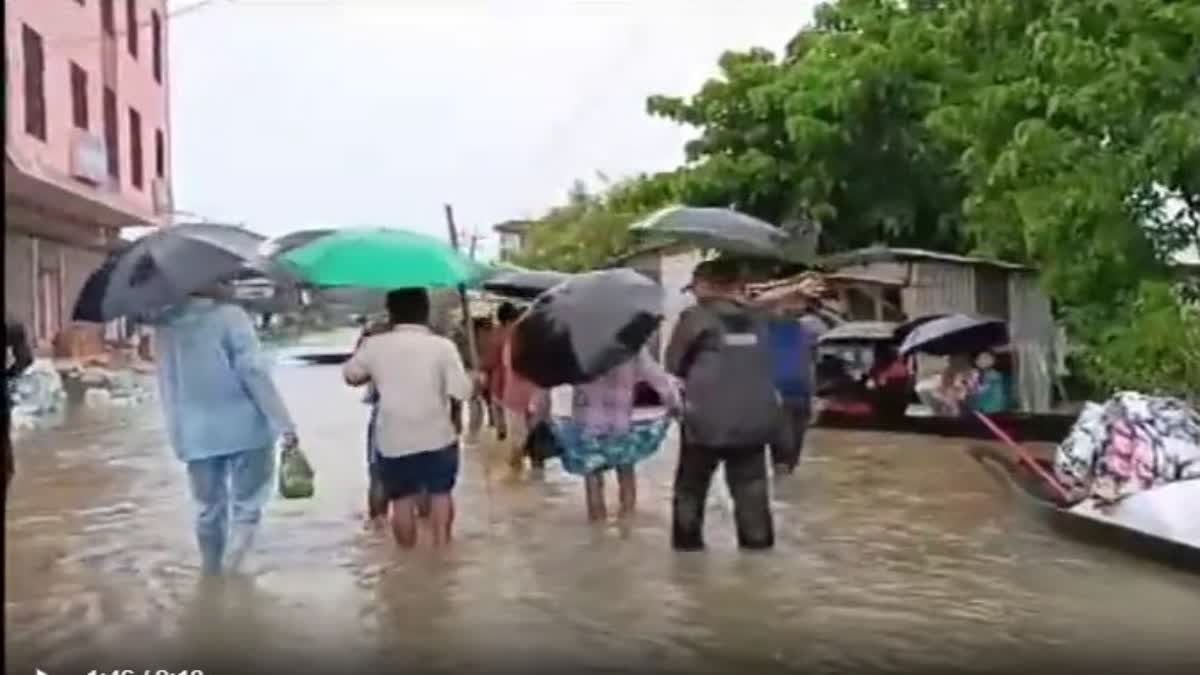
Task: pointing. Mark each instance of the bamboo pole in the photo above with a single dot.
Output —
(464, 301)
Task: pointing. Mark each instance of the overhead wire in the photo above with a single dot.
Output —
(138, 26)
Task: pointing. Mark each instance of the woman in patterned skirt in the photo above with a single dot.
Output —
(603, 432)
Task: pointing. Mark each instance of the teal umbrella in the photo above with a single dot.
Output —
(380, 258)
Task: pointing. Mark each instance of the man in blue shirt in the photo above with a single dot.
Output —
(223, 416)
(793, 348)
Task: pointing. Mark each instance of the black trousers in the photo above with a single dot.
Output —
(789, 439)
(746, 476)
(9, 464)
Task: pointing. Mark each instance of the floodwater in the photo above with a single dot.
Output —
(895, 553)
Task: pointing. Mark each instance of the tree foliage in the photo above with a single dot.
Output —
(1061, 133)
(590, 230)
(833, 133)
(1079, 130)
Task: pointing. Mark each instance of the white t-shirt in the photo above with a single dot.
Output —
(416, 373)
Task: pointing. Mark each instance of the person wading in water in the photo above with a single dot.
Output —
(17, 359)
(418, 374)
(224, 416)
(731, 408)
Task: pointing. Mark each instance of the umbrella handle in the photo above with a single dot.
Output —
(1023, 455)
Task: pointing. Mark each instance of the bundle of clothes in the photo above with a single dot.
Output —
(1131, 443)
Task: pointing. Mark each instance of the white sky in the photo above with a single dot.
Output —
(289, 114)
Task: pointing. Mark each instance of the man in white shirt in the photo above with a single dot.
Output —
(417, 374)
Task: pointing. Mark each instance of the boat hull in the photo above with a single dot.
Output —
(1027, 428)
(1128, 527)
(324, 358)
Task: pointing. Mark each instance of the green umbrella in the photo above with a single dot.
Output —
(381, 258)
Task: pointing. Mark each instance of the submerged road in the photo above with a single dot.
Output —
(895, 552)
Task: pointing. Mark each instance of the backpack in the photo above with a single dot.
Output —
(730, 398)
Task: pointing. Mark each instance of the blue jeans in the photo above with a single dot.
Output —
(239, 485)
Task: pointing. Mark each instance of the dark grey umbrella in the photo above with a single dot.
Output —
(955, 334)
(523, 284)
(279, 245)
(716, 228)
(586, 326)
(269, 251)
(163, 268)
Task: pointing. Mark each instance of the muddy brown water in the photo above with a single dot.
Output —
(895, 552)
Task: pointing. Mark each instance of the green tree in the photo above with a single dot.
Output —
(1079, 125)
(833, 132)
(1056, 132)
(590, 230)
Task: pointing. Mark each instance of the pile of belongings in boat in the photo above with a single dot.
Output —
(1130, 444)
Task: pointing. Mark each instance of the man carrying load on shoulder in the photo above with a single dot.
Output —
(719, 349)
(793, 346)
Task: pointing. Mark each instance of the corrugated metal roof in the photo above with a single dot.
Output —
(884, 254)
(864, 331)
(512, 226)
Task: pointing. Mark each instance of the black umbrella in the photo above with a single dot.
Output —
(955, 334)
(586, 326)
(523, 284)
(162, 268)
(909, 326)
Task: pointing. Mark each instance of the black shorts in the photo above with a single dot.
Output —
(434, 472)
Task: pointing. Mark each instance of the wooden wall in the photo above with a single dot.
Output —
(1033, 335)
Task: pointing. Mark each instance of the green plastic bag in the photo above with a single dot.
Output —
(296, 475)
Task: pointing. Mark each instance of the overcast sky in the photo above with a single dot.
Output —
(298, 113)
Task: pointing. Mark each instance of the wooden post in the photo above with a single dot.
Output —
(465, 303)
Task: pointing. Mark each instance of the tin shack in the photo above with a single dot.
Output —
(894, 283)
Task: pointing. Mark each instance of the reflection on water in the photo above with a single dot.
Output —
(894, 552)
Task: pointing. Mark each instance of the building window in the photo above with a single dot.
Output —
(108, 18)
(35, 84)
(131, 27)
(160, 154)
(112, 138)
(156, 45)
(79, 96)
(135, 148)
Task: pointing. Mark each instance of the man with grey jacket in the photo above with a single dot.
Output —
(719, 350)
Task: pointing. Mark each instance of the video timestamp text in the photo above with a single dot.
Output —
(145, 671)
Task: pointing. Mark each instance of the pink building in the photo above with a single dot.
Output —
(87, 147)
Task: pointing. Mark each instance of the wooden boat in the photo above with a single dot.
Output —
(324, 358)
(1080, 521)
(1024, 427)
